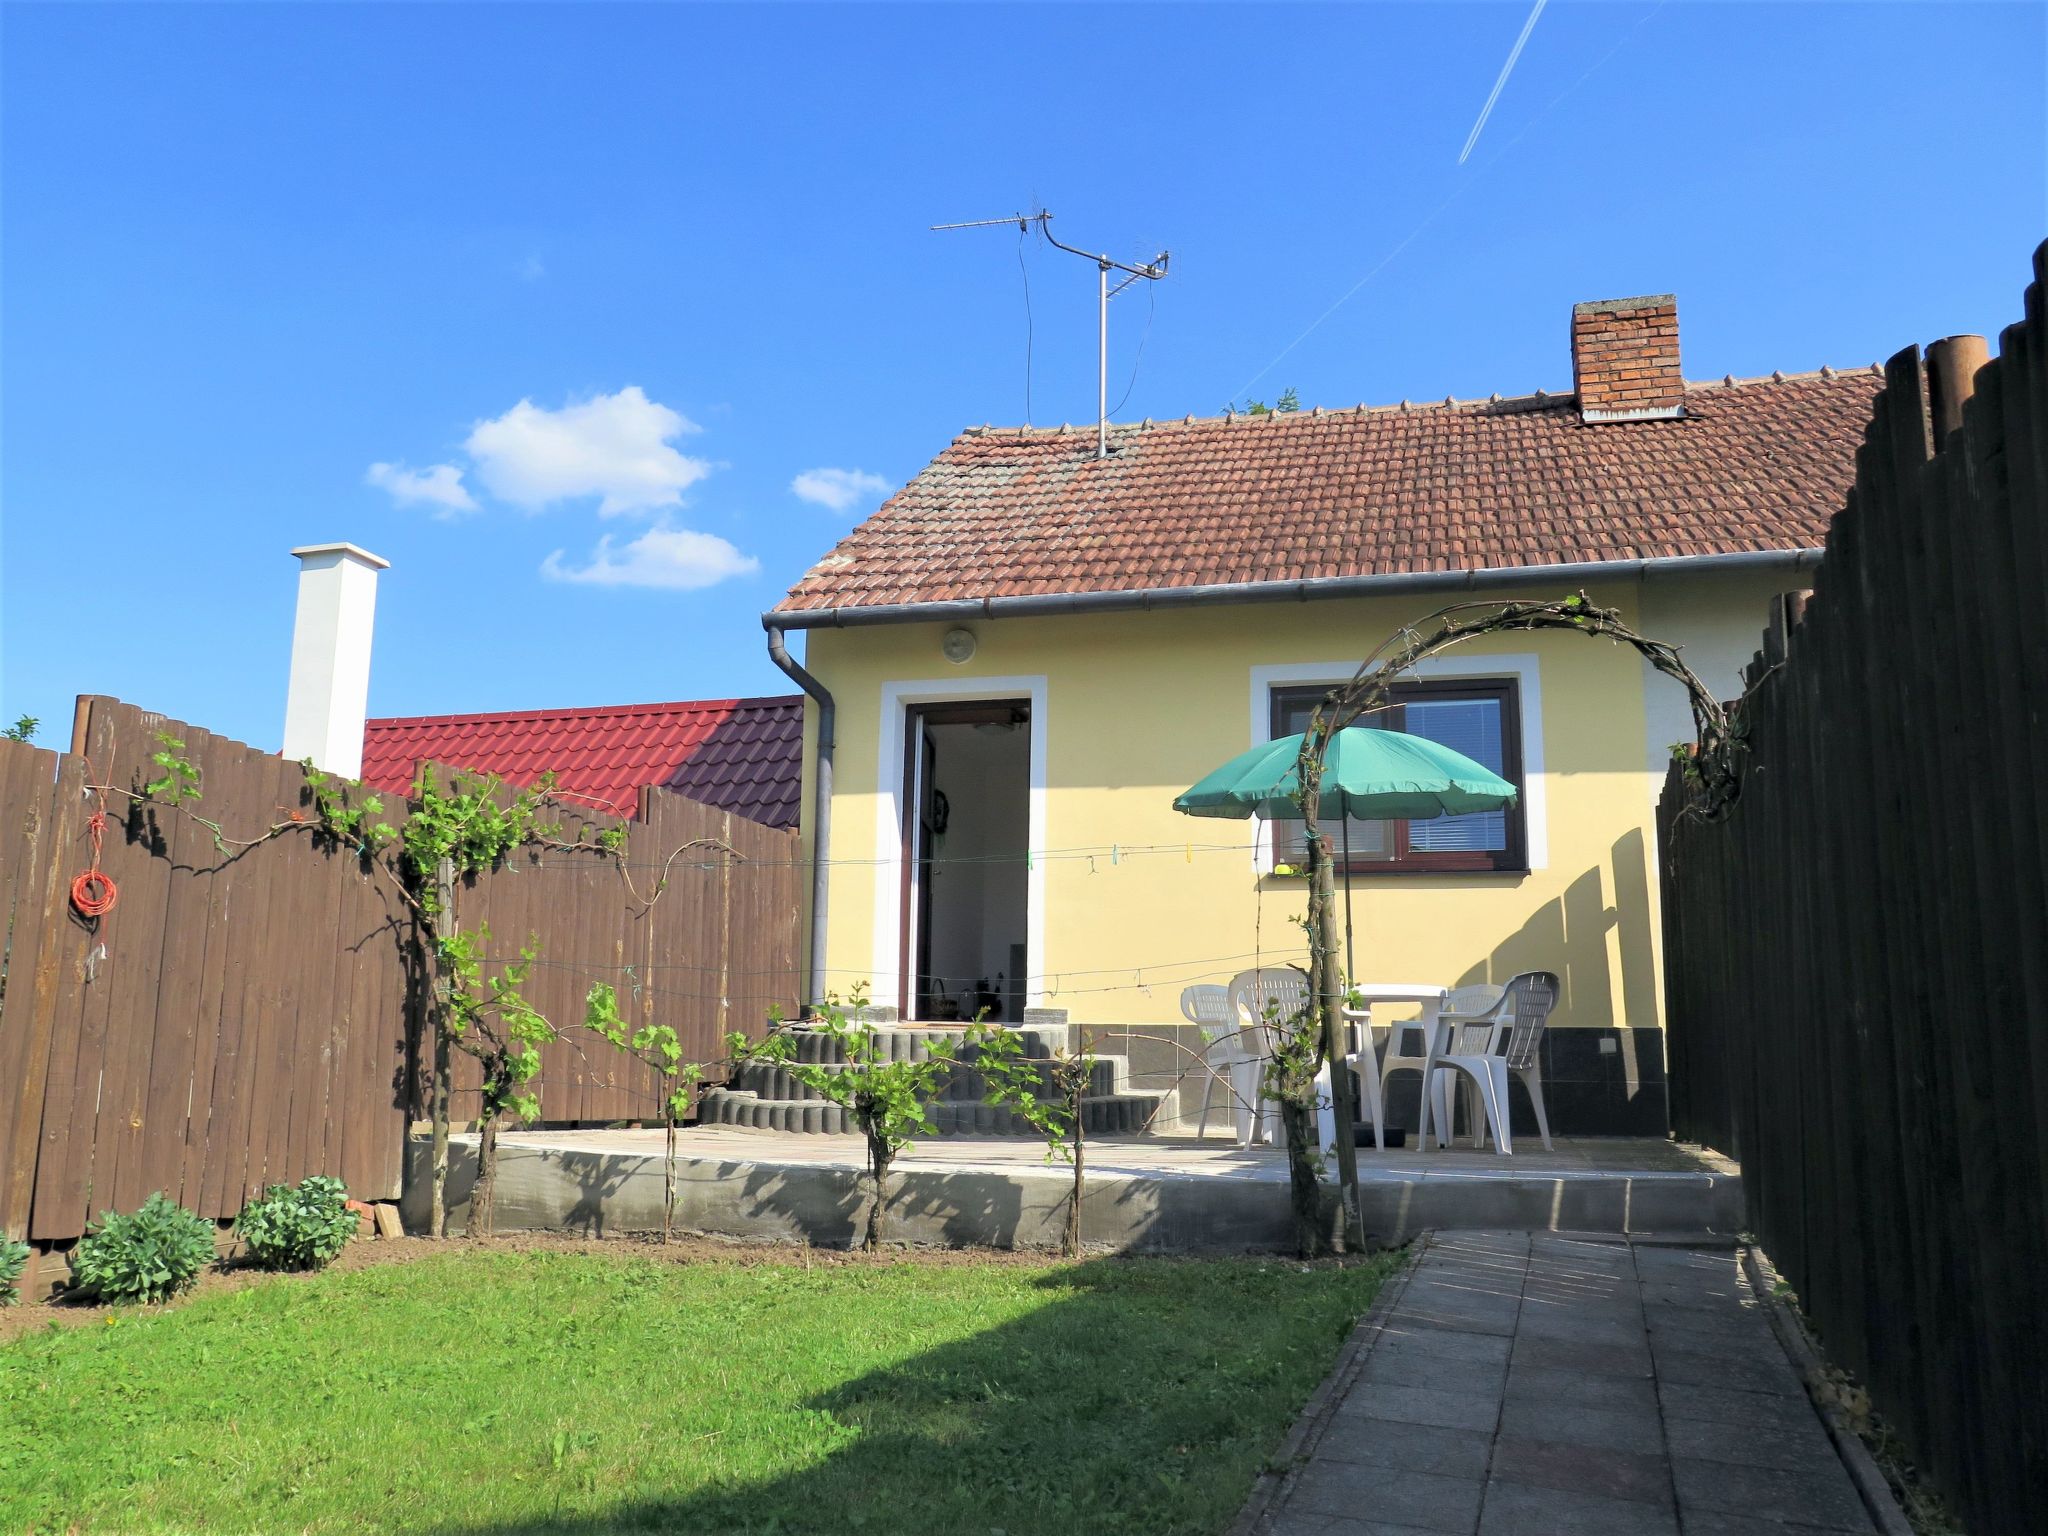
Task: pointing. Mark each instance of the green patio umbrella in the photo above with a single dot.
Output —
(1370, 774)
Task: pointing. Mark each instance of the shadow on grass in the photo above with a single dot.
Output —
(1143, 1396)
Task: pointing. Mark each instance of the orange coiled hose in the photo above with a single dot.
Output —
(94, 892)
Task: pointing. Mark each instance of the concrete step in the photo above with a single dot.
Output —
(895, 1042)
(1101, 1115)
(769, 1080)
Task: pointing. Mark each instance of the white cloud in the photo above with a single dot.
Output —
(616, 447)
(838, 488)
(674, 559)
(438, 485)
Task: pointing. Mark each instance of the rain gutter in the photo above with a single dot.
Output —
(1787, 561)
(821, 802)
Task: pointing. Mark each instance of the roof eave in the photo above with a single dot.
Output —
(1318, 589)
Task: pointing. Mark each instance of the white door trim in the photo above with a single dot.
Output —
(1523, 667)
(885, 984)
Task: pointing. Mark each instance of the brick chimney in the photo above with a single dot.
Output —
(1625, 359)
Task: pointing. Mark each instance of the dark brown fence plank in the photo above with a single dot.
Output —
(235, 1124)
(41, 796)
(211, 895)
(132, 970)
(71, 1106)
(187, 852)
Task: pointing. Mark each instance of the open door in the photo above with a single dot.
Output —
(967, 793)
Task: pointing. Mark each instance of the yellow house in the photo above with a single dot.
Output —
(1029, 650)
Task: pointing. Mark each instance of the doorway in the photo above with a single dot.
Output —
(967, 774)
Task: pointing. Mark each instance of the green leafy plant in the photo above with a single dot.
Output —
(179, 780)
(658, 1046)
(23, 729)
(298, 1226)
(1288, 403)
(452, 832)
(150, 1255)
(488, 1017)
(888, 1099)
(13, 1260)
(1047, 1091)
(349, 826)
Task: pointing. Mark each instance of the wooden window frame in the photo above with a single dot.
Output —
(1511, 860)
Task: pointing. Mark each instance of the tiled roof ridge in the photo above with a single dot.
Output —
(1537, 400)
(586, 711)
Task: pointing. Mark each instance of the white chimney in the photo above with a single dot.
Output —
(329, 693)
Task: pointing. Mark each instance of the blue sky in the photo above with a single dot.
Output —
(628, 273)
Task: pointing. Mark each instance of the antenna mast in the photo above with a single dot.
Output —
(1150, 271)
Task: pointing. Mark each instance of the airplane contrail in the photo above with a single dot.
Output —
(1506, 69)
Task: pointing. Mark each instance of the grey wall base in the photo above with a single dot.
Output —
(598, 1194)
(1596, 1081)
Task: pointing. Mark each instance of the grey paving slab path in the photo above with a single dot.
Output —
(1534, 1384)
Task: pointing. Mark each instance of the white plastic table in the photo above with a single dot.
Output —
(1431, 997)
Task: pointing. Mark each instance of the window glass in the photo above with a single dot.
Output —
(1371, 841)
(1476, 718)
(1471, 726)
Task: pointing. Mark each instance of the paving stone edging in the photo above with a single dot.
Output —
(1286, 1462)
(1871, 1484)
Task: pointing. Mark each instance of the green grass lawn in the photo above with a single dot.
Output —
(577, 1392)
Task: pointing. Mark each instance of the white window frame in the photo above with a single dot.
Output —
(886, 981)
(1522, 667)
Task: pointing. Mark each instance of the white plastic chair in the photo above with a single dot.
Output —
(1224, 1053)
(1287, 991)
(1363, 1064)
(1282, 992)
(1485, 1050)
(1412, 1047)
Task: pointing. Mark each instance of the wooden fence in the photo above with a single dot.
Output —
(245, 1016)
(1856, 957)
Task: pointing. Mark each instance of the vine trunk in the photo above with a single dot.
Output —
(483, 1200)
(444, 1066)
(1072, 1245)
(880, 1154)
(1304, 1175)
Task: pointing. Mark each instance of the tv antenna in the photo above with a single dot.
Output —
(1150, 272)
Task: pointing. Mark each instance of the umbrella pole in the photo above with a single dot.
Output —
(1350, 958)
(1329, 1000)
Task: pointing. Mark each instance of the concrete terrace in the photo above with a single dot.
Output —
(1142, 1193)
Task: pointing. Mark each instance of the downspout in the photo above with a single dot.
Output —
(821, 804)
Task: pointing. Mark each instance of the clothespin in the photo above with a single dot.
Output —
(1114, 854)
(1191, 853)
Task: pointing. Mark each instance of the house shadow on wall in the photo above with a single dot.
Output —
(1142, 1395)
(1602, 1075)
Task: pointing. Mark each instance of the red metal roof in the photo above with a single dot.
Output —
(1474, 485)
(741, 755)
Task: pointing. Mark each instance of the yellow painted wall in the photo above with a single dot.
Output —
(1138, 705)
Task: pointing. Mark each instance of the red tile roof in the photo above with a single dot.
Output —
(1478, 485)
(742, 755)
